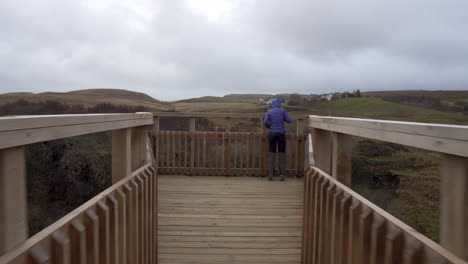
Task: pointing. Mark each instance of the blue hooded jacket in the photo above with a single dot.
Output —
(275, 118)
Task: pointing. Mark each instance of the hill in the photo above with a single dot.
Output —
(376, 108)
(449, 101)
(91, 98)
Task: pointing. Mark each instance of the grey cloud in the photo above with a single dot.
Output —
(264, 46)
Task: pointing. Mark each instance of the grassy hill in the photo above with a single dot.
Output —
(376, 108)
(91, 98)
(451, 101)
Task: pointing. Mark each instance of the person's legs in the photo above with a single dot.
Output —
(272, 141)
(282, 156)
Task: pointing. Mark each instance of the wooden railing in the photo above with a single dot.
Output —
(342, 227)
(116, 226)
(223, 153)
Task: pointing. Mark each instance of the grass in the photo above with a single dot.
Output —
(376, 108)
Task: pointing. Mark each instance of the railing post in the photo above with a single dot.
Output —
(454, 205)
(341, 157)
(227, 158)
(156, 139)
(322, 144)
(13, 201)
(139, 147)
(121, 154)
(192, 144)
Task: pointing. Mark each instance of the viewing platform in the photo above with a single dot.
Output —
(187, 195)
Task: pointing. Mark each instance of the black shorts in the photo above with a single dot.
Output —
(277, 139)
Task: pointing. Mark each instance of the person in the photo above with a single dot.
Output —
(274, 121)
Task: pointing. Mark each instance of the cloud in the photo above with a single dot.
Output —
(180, 49)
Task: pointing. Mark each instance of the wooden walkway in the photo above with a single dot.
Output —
(213, 219)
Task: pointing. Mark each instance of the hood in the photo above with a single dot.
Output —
(276, 103)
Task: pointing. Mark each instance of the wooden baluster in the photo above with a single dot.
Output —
(217, 153)
(60, 248)
(173, 150)
(289, 154)
(147, 215)
(336, 215)
(141, 217)
(177, 152)
(204, 153)
(353, 229)
(130, 224)
(377, 246)
(234, 147)
(199, 150)
(394, 247)
(92, 236)
(247, 154)
(39, 256)
(316, 228)
(343, 230)
(241, 150)
(78, 242)
(151, 215)
(186, 155)
(192, 144)
(103, 213)
(168, 152)
(414, 255)
(122, 216)
(328, 221)
(114, 240)
(322, 220)
(135, 221)
(365, 221)
(306, 216)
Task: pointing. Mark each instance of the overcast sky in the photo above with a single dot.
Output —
(181, 49)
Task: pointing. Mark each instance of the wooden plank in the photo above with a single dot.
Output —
(394, 247)
(322, 143)
(454, 205)
(92, 236)
(114, 238)
(78, 242)
(247, 153)
(122, 225)
(218, 115)
(60, 248)
(186, 164)
(30, 132)
(121, 154)
(419, 138)
(13, 198)
(102, 212)
(341, 157)
(377, 246)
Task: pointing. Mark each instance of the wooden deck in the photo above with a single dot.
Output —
(214, 219)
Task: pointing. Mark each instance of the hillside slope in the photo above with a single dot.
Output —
(91, 98)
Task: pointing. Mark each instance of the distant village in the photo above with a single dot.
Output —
(297, 99)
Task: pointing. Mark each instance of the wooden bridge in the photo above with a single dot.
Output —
(172, 202)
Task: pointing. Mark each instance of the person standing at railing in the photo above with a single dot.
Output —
(274, 121)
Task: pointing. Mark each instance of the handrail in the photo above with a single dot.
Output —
(23, 130)
(450, 139)
(218, 115)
